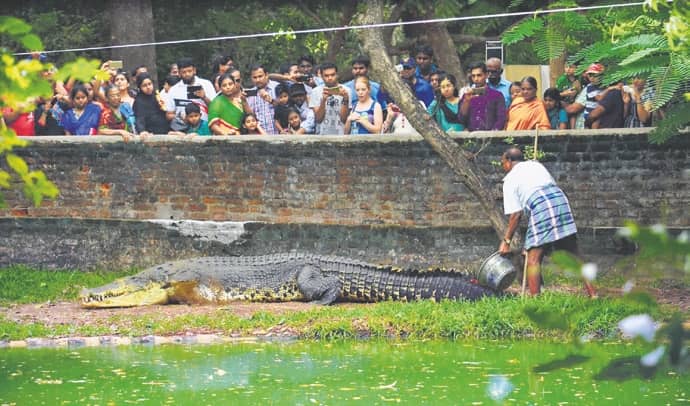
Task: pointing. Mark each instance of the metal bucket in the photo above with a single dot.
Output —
(496, 272)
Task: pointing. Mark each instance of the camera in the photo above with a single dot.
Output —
(251, 92)
(191, 90)
(304, 78)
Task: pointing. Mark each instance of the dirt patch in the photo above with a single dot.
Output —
(70, 313)
(66, 313)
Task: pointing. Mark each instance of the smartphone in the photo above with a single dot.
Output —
(251, 92)
(478, 90)
(191, 90)
(333, 90)
(116, 65)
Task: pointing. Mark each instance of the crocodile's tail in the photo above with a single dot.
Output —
(387, 284)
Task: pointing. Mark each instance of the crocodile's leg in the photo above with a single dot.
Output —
(316, 287)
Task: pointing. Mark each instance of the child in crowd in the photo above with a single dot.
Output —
(250, 125)
(557, 115)
(282, 108)
(568, 84)
(84, 116)
(515, 90)
(294, 122)
(195, 125)
(169, 82)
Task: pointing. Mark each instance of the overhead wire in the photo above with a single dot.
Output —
(346, 27)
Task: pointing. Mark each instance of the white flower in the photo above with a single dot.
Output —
(684, 237)
(499, 387)
(658, 229)
(653, 358)
(628, 286)
(589, 271)
(638, 325)
(626, 232)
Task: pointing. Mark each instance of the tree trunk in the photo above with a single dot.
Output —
(445, 52)
(556, 68)
(132, 22)
(468, 172)
(335, 45)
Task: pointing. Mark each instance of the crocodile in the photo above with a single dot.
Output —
(280, 277)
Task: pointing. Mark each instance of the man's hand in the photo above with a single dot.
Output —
(504, 248)
(201, 94)
(265, 96)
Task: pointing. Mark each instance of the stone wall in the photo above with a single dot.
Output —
(87, 244)
(384, 199)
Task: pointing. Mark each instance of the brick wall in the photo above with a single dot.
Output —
(609, 177)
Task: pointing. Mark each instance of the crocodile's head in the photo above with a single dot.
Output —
(125, 293)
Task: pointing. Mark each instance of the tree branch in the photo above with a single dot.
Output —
(335, 44)
(469, 173)
(306, 10)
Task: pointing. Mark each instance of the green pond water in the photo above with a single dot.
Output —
(359, 372)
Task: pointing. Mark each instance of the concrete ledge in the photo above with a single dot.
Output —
(84, 244)
(307, 139)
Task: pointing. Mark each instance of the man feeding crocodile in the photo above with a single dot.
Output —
(528, 186)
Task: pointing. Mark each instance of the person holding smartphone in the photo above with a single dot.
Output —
(481, 107)
(262, 98)
(190, 89)
(330, 102)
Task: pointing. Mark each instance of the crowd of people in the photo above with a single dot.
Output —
(306, 98)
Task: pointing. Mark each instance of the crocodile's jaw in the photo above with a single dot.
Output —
(124, 296)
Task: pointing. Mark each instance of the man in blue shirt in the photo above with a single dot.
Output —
(424, 58)
(494, 68)
(422, 89)
(360, 67)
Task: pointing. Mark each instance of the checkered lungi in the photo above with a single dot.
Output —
(550, 217)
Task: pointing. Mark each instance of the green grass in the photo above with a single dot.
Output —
(20, 284)
(490, 318)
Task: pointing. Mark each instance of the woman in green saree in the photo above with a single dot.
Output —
(227, 108)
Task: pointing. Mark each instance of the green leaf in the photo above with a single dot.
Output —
(637, 55)
(31, 42)
(549, 45)
(676, 335)
(81, 69)
(547, 319)
(522, 30)
(5, 179)
(676, 117)
(13, 26)
(17, 164)
(9, 140)
(567, 261)
(640, 297)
